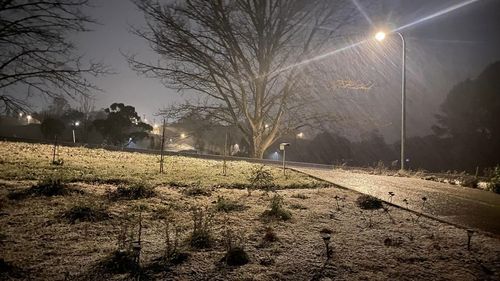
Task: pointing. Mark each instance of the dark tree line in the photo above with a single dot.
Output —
(117, 125)
(466, 136)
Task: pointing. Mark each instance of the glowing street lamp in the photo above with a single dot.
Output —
(300, 135)
(75, 124)
(380, 36)
(29, 118)
(183, 136)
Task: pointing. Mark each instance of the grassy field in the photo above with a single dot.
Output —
(88, 231)
(22, 161)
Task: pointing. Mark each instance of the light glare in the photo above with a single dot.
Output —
(380, 36)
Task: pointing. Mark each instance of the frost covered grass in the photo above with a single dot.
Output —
(78, 236)
(23, 161)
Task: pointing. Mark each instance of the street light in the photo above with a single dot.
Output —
(380, 36)
(29, 118)
(283, 148)
(75, 124)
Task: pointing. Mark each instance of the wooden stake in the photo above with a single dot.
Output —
(224, 165)
(162, 147)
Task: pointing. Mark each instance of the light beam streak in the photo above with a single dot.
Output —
(426, 18)
(362, 11)
(436, 14)
(317, 57)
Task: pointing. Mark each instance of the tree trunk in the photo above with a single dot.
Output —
(260, 144)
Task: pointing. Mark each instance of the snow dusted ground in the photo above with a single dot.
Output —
(395, 244)
(473, 208)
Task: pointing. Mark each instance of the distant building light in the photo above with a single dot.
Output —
(183, 136)
(300, 135)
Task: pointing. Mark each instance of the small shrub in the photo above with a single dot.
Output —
(48, 187)
(260, 178)
(270, 235)
(368, 202)
(494, 184)
(235, 252)
(132, 192)
(173, 254)
(201, 237)
(226, 205)
(277, 210)
(119, 262)
(380, 168)
(469, 181)
(236, 257)
(85, 212)
(197, 190)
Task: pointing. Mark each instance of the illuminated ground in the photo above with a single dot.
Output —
(44, 246)
(461, 205)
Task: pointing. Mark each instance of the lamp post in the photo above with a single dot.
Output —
(75, 124)
(380, 36)
(283, 148)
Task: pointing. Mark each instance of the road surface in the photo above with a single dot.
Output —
(464, 206)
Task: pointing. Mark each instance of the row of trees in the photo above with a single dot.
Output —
(118, 124)
(466, 136)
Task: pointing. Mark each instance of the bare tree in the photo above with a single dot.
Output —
(244, 56)
(35, 55)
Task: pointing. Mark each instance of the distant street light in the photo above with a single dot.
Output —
(75, 124)
(283, 148)
(300, 135)
(183, 136)
(29, 118)
(380, 36)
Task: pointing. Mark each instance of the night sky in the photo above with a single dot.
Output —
(441, 52)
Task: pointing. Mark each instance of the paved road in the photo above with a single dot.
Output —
(464, 206)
